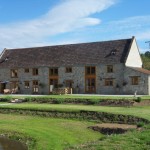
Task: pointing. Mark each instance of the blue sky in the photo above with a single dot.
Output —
(30, 23)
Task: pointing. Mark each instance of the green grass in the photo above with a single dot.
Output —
(130, 141)
(49, 133)
(140, 111)
(58, 134)
(77, 96)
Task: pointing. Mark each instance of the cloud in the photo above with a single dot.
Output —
(69, 15)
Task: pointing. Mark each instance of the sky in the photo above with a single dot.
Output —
(33, 23)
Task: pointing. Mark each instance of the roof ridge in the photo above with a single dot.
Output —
(69, 44)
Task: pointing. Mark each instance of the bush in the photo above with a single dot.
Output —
(140, 124)
(138, 100)
(6, 99)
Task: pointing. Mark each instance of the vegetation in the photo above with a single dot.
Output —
(48, 133)
(146, 60)
(63, 99)
(54, 133)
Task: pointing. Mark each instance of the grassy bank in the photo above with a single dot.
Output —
(139, 111)
(49, 133)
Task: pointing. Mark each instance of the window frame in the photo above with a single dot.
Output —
(110, 68)
(35, 71)
(68, 69)
(53, 72)
(15, 73)
(135, 80)
(26, 86)
(35, 86)
(26, 70)
(109, 82)
(88, 70)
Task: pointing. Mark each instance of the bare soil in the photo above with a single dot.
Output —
(112, 128)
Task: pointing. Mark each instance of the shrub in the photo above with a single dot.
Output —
(140, 124)
(6, 99)
(138, 99)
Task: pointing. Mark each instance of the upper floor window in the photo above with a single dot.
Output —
(26, 70)
(54, 71)
(90, 70)
(35, 71)
(110, 68)
(109, 82)
(14, 73)
(135, 80)
(68, 69)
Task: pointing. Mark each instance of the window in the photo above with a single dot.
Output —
(90, 84)
(54, 82)
(135, 80)
(68, 69)
(14, 73)
(54, 71)
(109, 82)
(109, 68)
(69, 83)
(26, 70)
(90, 70)
(35, 71)
(26, 84)
(35, 86)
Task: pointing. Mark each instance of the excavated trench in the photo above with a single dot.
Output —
(113, 128)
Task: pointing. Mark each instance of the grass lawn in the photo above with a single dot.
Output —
(50, 133)
(57, 134)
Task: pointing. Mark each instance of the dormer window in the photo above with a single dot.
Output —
(113, 52)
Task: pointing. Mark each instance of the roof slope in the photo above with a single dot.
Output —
(142, 70)
(74, 54)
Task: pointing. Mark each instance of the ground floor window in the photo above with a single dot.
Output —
(134, 80)
(69, 83)
(35, 86)
(54, 82)
(26, 84)
(109, 82)
(90, 85)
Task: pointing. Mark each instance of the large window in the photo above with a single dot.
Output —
(135, 80)
(26, 84)
(35, 71)
(35, 86)
(109, 68)
(90, 85)
(109, 82)
(14, 73)
(90, 70)
(53, 72)
(54, 82)
(69, 83)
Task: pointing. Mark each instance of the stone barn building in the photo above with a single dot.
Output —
(107, 67)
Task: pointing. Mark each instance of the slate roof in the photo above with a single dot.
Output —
(141, 70)
(106, 52)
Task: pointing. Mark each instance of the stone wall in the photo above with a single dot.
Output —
(120, 75)
(116, 75)
(141, 88)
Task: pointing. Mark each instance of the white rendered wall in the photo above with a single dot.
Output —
(134, 59)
